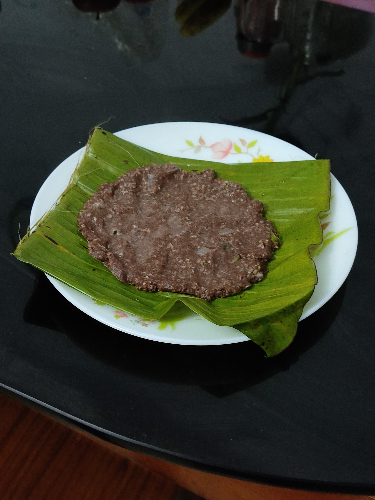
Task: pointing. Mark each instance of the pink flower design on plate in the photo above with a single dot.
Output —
(221, 149)
(120, 314)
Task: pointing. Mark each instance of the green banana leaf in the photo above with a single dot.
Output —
(293, 194)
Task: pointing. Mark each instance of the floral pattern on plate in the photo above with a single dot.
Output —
(225, 147)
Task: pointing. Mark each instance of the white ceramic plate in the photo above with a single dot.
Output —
(207, 141)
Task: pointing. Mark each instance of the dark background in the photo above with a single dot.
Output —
(305, 418)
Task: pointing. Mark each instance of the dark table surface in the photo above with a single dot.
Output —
(300, 71)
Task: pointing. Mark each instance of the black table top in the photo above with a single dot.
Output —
(302, 73)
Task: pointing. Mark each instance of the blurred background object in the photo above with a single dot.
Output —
(97, 6)
(259, 26)
(367, 5)
(322, 32)
(299, 42)
(194, 16)
(137, 27)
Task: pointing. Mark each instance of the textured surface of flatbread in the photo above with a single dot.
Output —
(163, 228)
